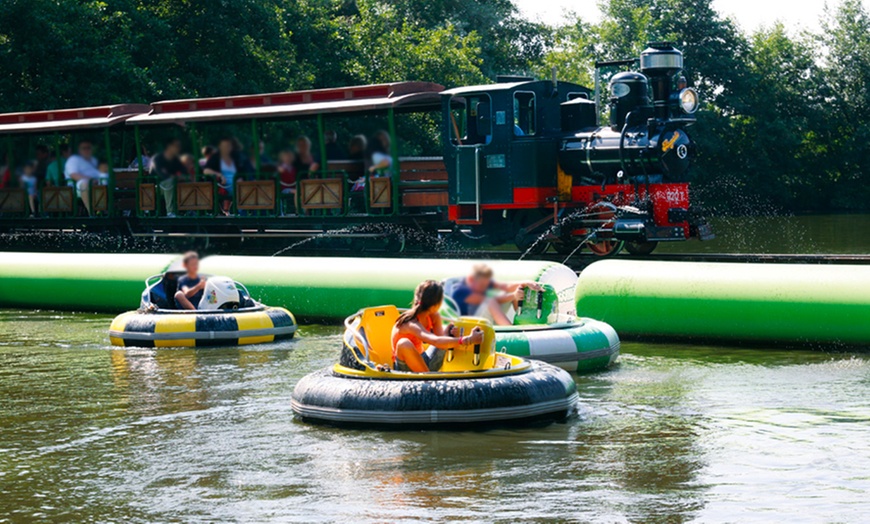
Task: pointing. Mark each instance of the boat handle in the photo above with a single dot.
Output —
(348, 324)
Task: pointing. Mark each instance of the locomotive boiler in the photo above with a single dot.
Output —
(646, 140)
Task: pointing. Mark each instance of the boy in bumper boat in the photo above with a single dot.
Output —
(471, 296)
(190, 285)
(422, 324)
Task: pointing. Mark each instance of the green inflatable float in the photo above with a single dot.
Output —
(313, 288)
(769, 303)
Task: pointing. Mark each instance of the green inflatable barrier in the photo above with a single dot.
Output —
(320, 288)
(793, 304)
(338, 287)
(81, 282)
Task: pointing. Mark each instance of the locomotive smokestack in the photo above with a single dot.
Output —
(661, 61)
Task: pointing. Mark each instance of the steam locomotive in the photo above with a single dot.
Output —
(625, 184)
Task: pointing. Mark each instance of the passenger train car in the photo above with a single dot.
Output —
(522, 162)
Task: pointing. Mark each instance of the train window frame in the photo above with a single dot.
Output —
(532, 119)
(574, 95)
(460, 125)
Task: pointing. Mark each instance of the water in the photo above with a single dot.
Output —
(673, 434)
(811, 234)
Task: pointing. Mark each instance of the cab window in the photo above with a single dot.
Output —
(524, 114)
(470, 120)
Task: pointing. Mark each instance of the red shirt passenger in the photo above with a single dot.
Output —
(287, 171)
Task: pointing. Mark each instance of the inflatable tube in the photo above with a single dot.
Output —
(336, 287)
(820, 305)
(581, 345)
(82, 282)
(544, 392)
(202, 328)
(327, 288)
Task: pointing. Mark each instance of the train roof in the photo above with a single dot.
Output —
(487, 88)
(63, 120)
(296, 104)
(507, 86)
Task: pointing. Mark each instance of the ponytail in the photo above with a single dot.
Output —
(427, 295)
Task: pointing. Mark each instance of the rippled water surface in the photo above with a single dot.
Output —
(673, 434)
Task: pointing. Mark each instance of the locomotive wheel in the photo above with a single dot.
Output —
(641, 248)
(606, 248)
(605, 212)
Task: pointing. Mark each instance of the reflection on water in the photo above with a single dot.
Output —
(673, 434)
(812, 234)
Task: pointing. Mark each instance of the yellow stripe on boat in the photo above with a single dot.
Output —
(253, 322)
(118, 326)
(185, 323)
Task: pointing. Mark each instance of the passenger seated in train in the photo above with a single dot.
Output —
(287, 178)
(189, 164)
(144, 158)
(168, 169)
(206, 152)
(28, 181)
(473, 296)
(265, 159)
(380, 161)
(305, 162)
(190, 285)
(227, 165)
(43, 157)
(421, 325)
(82, 169)
(334, 151)
(53, 173)
(356, 148)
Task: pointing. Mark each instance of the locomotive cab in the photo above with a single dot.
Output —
(500, 146)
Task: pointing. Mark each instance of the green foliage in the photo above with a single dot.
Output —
(391, 49)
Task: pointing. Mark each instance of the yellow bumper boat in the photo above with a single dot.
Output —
(227, 316)
(475, 385)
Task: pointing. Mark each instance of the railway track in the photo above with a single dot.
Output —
(580, 262)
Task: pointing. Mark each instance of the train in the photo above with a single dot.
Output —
(522, 162)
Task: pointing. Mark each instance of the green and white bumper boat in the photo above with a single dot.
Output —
(540, 332)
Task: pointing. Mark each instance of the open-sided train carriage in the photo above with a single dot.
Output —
(523, 161)
(104, 125)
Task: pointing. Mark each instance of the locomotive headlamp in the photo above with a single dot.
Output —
(689, 100)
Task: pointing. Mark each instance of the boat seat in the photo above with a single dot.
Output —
(376, 325)
(163, 292)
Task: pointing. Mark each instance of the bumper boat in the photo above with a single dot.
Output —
(226, 316)
(475, 385)
(541, 332)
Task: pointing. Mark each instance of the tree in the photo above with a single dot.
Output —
(846, 38)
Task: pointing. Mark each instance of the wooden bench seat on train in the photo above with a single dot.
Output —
(423, 182)
(352, 168)
(125, 189)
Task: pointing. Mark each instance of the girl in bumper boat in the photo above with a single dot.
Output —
(421, 325)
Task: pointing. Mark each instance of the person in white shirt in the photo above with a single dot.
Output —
(83, 170)
(381, 162)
